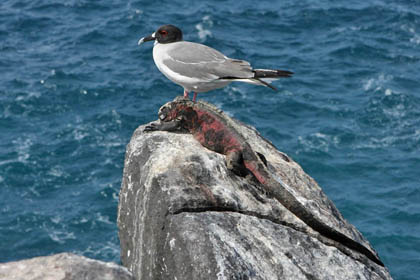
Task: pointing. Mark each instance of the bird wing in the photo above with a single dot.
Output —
(205, 63)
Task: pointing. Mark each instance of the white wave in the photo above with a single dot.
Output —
(412, 31)
(378, 83)
(28, 96)
(136, 15)
(415, 39)
(389, 140)
(397, 112)
(375, 143)
(78, 134)
(103, 219)
(57, 171)
(234, 92)
(319, 141)
(82, 220)
(347, 28)
(203, 28)
(61, 236)
(32, 190)
(203, 33)
(22, 147)
(102, 249)
(56, 219)
(116, 116)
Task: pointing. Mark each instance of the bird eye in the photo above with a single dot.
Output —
(163, 32)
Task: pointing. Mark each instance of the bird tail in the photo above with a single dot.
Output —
(264, 77)
(259, 82)
(271, 74)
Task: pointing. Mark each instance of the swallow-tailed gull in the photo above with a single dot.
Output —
(199, 68)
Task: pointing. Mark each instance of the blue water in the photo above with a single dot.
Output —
(74, 85)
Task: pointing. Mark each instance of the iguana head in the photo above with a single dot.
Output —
(173, 110)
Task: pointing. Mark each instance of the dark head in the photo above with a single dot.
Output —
(173, 109)
(164, 35)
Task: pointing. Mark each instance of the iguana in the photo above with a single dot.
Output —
(217, 132)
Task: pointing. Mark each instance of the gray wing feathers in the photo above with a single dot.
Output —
(199, 61)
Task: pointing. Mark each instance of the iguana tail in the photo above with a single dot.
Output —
(282, 195)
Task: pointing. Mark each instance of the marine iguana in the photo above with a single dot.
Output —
(217, 132)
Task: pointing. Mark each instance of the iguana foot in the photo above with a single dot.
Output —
(151, 127)
(163, 126)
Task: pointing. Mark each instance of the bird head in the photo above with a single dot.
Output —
(164, 35)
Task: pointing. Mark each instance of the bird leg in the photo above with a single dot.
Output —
(186, 93)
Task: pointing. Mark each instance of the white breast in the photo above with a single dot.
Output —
(160, 54)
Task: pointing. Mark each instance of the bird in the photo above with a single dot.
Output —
(199, 68)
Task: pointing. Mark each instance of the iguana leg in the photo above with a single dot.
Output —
(163, 126)
(235, 163)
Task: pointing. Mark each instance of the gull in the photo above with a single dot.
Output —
(199, 68)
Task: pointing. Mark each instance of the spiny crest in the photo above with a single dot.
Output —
(210, 106)
(218, 112)
(181, 100)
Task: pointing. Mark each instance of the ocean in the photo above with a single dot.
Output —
(74, 86)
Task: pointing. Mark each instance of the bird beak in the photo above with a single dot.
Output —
(147, 38)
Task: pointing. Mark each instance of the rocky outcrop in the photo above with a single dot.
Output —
(65, 266)
(184, 215)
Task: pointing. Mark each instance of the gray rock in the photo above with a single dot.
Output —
(184, 215)
(65, 266)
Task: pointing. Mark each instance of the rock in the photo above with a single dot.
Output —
(183, 215)
(64, 266)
